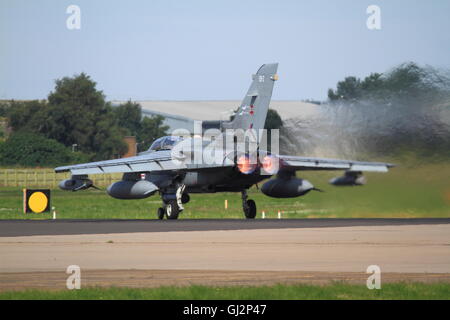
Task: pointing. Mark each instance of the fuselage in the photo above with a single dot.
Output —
(225, 179)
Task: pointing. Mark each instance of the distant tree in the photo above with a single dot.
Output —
(373, 82)
(349, 89)
(107, 139)
(28, 149)
(353, 88)
(27, 115)
(417, 84)
(78, 114)
(408, 81)
(129, 116)
(332, 96)
(273, 120)
(4, 106)
(145, 129)
(75, 113)
(406, 78)
(412, 94)
(151, 129)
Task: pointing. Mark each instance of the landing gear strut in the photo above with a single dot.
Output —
(249, 206)
(179, 196)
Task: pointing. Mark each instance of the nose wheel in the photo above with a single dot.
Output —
(171, 210)
(249, 206)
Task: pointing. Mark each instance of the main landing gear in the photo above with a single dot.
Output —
(173, 204)
(249, 206)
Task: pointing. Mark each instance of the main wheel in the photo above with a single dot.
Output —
(250, 209)
(185, 198)
(160, 213)
(172, 210)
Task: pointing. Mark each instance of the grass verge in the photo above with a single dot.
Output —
(334, 291)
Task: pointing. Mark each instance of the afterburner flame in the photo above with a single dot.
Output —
(245, 165)
(270, 164)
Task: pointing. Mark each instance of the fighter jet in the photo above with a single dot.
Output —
(168, 168)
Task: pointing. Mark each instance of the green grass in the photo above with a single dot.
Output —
(404, 192)
(340, 291)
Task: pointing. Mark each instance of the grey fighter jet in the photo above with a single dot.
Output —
(167, 167)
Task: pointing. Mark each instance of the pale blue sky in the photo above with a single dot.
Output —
(203, 50)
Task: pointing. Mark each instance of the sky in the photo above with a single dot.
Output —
(208, 50)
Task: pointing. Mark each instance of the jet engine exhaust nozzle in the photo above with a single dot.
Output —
(270, 165)
(246, 165)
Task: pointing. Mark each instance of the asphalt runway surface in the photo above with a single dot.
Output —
(152, 253)
(15, 228)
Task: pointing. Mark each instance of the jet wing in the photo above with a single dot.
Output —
(163, 161)
(149, 162)
(306, 163)
(157, 161)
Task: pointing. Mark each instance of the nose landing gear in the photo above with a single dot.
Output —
(172, 209)
(173, 204)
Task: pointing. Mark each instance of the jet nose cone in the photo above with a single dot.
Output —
(109, 188)
(306, 185)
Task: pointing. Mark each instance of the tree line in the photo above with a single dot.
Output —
(74, 124)
(402, 110)
(407, 81)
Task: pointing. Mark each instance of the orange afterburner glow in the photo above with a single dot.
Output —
(246, 165)
(270, 164)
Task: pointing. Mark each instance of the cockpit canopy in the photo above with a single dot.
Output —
(164, 143)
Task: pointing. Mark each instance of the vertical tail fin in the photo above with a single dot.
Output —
(253, 110)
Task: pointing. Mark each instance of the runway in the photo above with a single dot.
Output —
(14, 228)
(36, 254)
